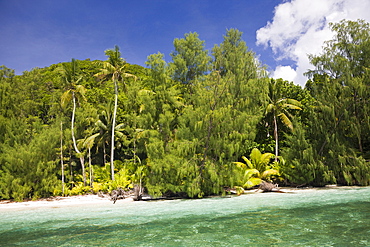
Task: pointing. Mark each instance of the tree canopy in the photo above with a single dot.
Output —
(179, 127)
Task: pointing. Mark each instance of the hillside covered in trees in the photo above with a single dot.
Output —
(206, 121)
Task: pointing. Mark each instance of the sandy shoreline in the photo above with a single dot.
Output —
(60, 202)
(95, 199)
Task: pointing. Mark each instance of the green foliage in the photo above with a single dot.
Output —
(337, 124)
(103, 183)
(303, 166)
(80, 189)
(114, 68)
(190, 152)
(176, 128)
(122, 180)
(29, 170)
(256, 169)
(190, 60)
(71, 76)
(279, 107)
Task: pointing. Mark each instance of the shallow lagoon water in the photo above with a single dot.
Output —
(322, 217)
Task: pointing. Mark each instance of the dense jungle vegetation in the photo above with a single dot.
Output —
(206, 121)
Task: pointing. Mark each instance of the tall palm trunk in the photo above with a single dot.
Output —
(90, 168)
(61, 154)
(104, 154)
(82, 159)
(276, 138)
(113, 128)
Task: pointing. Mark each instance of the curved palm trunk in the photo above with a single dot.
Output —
(82, 159)
(276, 139)
(113, 127)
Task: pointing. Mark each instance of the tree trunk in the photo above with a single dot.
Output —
(104, 154)
(70, 167)
(276, 139)
(90, 168)
(113, 127)
(82, 160)
(61, 155)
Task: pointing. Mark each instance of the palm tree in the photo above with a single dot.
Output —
(257, 169)
(61, 154)
(279, 107)
(103, 130)
(74, 92)
(89, 143)
(115, 68)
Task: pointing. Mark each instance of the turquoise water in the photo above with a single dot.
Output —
(327, 217)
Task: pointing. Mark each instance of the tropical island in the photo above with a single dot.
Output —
(205, 123)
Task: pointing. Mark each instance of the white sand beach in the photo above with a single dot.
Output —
(95, 199)
(60, 202)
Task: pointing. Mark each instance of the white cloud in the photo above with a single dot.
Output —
(285, 72)
(300, 27)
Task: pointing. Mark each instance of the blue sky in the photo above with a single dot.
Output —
(39, 33)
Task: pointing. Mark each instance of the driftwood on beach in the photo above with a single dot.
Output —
(136, 194)
(268, 187)
(262, 187)
(117, 194)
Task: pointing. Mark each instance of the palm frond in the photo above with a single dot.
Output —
(108, 68)
(119, 127)
(291, 106)
(252, 182)
(269, 172)
(79, 79)
(101, 74)
(265, 158)
(80, 144)
(245, 159)
(285, 120)
(89, 141)
(294, 102)
(255, 156)
(248, 162)
(269, 108)
(101, 125)
(119, 134)
(81, 91)
(249, 173)
(66, 98)
(240, 164)
(281, 101)
(129, 75)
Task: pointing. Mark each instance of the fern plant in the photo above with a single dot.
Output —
(257, 169)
